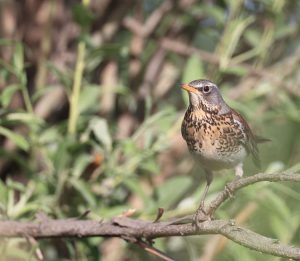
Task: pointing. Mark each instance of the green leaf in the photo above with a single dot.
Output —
(7, 94)
(193, 70)
(15, 185)
(278, 226)
(18, 58)
(23, 204)
(276, 203)
(80, 164)
(157, 119)
(19, 140)
(150, 165)
(236, 70)
(84, 190)
(63, 76)
(112, 211)
(231, 37)
(82, 15)
(137, 189)
(5, 41)
(3, 195)
(25, 117)
(89, 96)
(212, 11)
(100, 129)
(294, 168)
(172, 190)
(49, 135)
(252, 37)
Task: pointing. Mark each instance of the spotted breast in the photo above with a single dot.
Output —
(216, 140)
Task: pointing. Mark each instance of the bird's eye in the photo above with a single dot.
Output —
(206, 89)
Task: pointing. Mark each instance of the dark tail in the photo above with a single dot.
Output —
(259, 139)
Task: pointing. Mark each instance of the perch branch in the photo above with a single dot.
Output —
(139, 231)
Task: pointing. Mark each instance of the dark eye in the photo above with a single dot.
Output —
(206, 89)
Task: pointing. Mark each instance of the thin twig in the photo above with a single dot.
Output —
(144, 30)
(37, 250)
(154, 251)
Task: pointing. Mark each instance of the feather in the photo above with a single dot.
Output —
(252, 140)
(259, 139)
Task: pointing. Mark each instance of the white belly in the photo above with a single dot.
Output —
(216, 160)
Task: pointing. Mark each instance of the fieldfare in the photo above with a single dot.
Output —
(217, 135)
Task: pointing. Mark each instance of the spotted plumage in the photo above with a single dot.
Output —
(215, 134)
(218, 140)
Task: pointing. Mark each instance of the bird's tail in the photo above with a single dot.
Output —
(259, 139)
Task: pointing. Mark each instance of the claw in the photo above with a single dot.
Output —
(229, 191)
(200, 216)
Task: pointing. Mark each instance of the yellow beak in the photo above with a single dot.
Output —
(188, 88)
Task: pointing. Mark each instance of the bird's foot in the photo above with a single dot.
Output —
(229, 191)
(200, 216)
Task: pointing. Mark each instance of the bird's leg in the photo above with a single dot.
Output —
(238, 174)
(200, 214)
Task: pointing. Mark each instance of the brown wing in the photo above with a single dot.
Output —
(250, 142)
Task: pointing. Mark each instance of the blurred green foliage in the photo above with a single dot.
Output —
(64, 174)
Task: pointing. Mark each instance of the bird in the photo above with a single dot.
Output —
(217, 135)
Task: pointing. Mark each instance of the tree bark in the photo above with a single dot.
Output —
(136, 231)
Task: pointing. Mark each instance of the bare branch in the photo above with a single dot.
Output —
(129, 228)
(139, 231)
(241, 183)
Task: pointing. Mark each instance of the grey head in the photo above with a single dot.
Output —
(205, 95)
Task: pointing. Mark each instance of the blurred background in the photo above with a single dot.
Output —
(91, 110)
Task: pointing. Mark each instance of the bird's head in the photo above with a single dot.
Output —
(205, 95)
